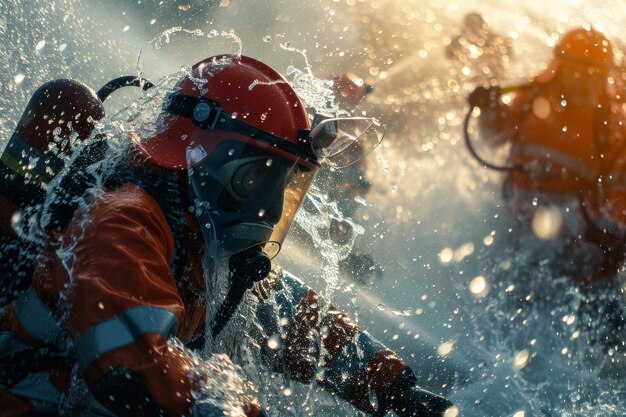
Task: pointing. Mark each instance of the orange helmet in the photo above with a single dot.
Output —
(580, 48)
(586, 47)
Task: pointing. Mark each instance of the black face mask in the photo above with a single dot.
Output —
(241, 188)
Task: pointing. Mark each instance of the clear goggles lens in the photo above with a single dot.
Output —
(344, 141)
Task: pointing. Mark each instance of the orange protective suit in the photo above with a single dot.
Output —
(564, 153)
(120, 304)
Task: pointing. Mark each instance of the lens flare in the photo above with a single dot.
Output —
(547, 223)
(479, 286)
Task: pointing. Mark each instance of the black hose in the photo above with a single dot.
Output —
(246, 268)
(120, 82)
(472, 150)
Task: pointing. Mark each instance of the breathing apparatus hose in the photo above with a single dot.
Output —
(247, 268)
(610, 242)
(468, 139)
(120, 82)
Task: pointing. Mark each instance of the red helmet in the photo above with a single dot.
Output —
(245, 88)
(580, 48)
(242, 133)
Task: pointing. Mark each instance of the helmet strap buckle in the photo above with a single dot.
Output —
(206, 113)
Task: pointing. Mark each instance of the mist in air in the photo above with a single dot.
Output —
(480, 322)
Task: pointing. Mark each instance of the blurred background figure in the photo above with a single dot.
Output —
(350, 90)
(351, 188)
(480, 50)
(348, 193)
(565, 170)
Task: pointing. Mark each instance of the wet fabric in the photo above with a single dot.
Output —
(568, 152)
(125, 303)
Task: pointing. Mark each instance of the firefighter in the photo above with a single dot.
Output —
(567, 158)
(203, 201)
(479, 49)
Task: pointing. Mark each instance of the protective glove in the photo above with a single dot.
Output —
(485, 97)
(406, 399)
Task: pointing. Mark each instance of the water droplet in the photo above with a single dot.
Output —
(62, 47)
(267, 38)
(273, 342)
(40, 45)
(547, 223)
(520, 360)
(287, 392)
(478, 286)
(569, 319)
(184, 7)
(125, 29)
(101, 305)
(268, 163)
(382, 307)
(261, 213)
(452, 412)
(16, 217)
(231, 152)
(207, 225)
(445, 348)
(153, 21)
(19, 78)
(445, 256)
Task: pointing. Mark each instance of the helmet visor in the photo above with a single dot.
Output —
(344, 141)
(246, 193)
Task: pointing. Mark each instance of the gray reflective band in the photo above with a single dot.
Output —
(124, 330)
(353, 358)
(549, 154)
(43, 396)
(23, 158)
(36, 317)
(289, 294)
(10, 343)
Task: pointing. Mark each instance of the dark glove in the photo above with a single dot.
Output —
(406, 399)
(484, 97)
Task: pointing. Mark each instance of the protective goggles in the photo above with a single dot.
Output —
(338, 141)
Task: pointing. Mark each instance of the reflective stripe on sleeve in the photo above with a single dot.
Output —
(10, 343)
(124, 330)
(354, 356)
(44, 397)
(275, 318)
(30, 162)
(289, 295)
(37, 318)
(541, 153)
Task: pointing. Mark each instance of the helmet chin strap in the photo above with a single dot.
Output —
(247, 267)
